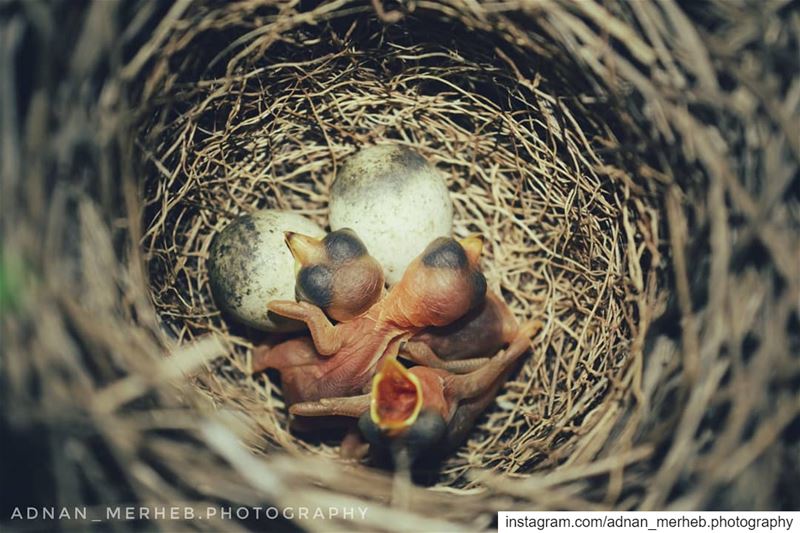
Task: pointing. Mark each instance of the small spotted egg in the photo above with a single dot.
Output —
(250, 265)
(395, 201)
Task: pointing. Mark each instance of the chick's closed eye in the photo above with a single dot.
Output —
(315, 285)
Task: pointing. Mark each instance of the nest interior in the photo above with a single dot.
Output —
(633, 167)
(569, 241)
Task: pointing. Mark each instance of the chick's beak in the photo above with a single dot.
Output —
(305, 249)
(473, 245)
(396, 397)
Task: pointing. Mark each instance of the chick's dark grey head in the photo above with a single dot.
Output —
(336, 273)
(424, 439)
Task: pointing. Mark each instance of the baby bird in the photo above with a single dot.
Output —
(338, 275)
(439, 286)
(335, 273)
(423, 412)
(464, 345)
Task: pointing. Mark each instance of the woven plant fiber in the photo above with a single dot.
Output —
(632, 167)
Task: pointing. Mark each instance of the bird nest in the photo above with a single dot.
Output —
(568, 241)
(636, 186)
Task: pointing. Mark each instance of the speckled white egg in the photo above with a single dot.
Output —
(395, 201)
(250, 265)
